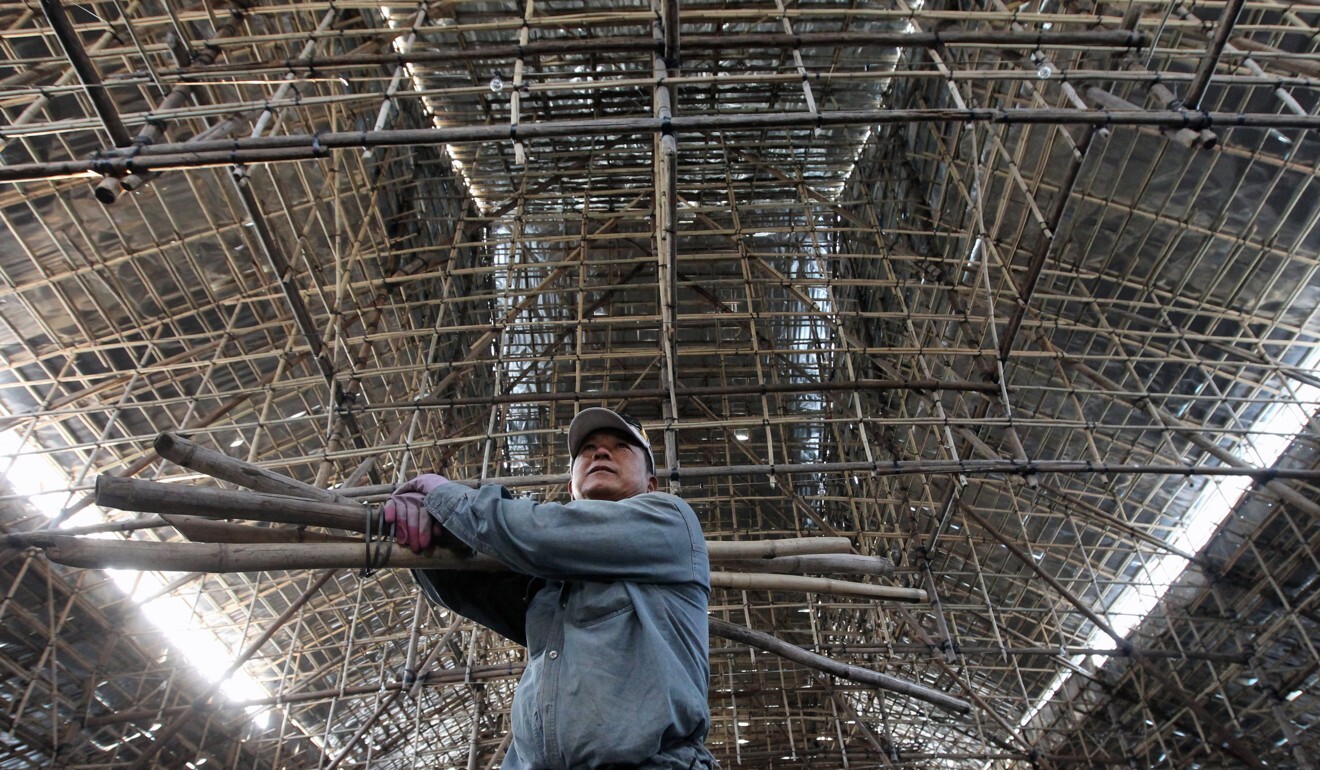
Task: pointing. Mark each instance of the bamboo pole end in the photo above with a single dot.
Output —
(165, 444)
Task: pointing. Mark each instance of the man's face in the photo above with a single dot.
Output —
(607, 467)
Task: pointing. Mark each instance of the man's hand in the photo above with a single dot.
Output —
(406, 510)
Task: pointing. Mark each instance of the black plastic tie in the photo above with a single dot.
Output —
(378, 542)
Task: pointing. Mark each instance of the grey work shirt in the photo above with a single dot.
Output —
(610, 599)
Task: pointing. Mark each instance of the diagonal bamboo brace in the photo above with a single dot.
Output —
(763, 641)
(218, 465)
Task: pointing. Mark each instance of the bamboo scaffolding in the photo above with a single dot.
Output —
(101, 554)
(228, 557)
(832, 292)
(442, 677)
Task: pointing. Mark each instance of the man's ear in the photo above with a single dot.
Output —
(652, 483)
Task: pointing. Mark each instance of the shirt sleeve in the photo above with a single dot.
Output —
(496, 600)
(650, 538)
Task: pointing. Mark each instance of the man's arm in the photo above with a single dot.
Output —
(496, 601)
(650, 538)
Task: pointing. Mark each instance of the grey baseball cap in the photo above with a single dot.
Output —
(596, 418)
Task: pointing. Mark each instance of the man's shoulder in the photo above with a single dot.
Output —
(660, 504)
(677, 508)
(662, 499)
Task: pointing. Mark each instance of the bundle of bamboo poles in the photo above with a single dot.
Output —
(204, 516)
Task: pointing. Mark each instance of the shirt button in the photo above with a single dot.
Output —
(554, 654)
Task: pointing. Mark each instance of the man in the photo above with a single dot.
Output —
(608, 592)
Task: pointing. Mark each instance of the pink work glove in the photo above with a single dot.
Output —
(406, 510)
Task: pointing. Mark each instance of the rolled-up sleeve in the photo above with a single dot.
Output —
(650, 538)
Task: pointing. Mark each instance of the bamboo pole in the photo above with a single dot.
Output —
(97, 553)
(154, 497)
(183, 451)
(204, 530)
(269, 149)
(1205, 70)
(796, 654)
(87, 71)
(831, 564)
(750, 581)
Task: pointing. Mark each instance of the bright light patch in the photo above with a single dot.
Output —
(44, 484)
(33, 476)
(1271, 435)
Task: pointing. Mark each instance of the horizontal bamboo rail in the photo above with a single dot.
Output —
(95, 553)
(257, 553)
(898, 468)
(749, 389)
(822, 564)
(751, 581)
(747, 556)
(1118, 39)
(271, 149)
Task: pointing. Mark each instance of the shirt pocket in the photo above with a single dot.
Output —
(595, 603)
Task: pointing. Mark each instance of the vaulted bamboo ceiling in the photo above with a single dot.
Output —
(1012, 294)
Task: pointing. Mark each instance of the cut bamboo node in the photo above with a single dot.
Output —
(21, 541)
